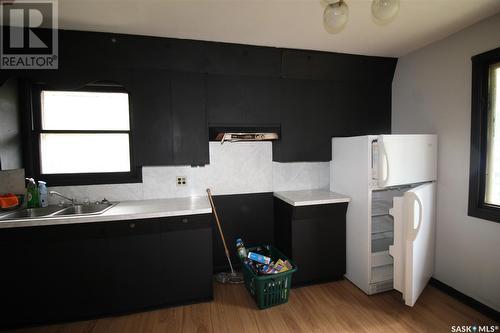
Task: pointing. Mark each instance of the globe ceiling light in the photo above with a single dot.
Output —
(385, 10)
(335, 16)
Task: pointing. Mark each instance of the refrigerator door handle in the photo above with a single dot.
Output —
(414, 230)
(383, 165)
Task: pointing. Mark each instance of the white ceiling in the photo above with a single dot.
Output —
(280, 23)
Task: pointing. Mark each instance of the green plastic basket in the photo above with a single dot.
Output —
(269, 290)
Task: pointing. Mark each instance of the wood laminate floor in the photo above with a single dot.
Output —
(331, 307)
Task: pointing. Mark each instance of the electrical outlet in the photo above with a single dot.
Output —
(181, 180)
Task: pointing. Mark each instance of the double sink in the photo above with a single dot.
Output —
(55, 211)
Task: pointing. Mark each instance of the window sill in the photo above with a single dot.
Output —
(485, 212)
(92, 178)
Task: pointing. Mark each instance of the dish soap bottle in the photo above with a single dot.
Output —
(42, 193)
(32, 194)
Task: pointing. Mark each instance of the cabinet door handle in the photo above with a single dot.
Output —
(184, 220)
(131, 225)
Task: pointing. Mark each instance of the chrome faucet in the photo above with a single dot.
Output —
(72, 200)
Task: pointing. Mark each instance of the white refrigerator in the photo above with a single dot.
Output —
(390, 230)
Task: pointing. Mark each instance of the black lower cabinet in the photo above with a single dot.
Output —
(52, 274)
(72, 272)
(186, 251)
(136, 264)
(245, 216)
(314, 237)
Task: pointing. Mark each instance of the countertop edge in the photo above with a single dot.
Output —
(311, 202)
(168, 212)
(99, 218)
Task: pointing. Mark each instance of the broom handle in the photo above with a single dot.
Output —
(220, 229)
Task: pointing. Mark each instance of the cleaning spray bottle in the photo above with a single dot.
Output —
(31, 194)
(43, 193)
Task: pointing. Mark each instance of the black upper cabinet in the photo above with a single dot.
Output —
(108, 50)
(178, 88)
(302, 64)
(237, 59)
(190, 131)
(151, 106)
(307, 114)
(314, 111)
(77, 78)
(79, 49)
(186, 55)
(243, 100)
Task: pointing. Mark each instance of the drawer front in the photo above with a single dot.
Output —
(133, 227)
(186, 222)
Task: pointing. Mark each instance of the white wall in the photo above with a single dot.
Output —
(10, 134)
(432, 94)
(235, 168)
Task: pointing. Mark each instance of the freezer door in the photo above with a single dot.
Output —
(414, 234)
(406, 159)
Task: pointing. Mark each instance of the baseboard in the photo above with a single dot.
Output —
(480, 307)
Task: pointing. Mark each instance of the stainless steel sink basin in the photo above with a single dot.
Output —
(96, 208)
(58, 211)
(30, 213)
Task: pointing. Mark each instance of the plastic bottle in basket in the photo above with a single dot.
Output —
(240, 248)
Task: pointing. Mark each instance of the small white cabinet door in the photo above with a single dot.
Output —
(406, 159)
(414, 241)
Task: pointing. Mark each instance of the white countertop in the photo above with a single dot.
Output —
(126, 210)
(145, 209)
(311, 197)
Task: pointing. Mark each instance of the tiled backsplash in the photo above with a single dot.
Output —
(244, 167)
(301, 176)
(235, 168)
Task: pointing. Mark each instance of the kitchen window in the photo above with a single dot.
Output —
(82, 137)
(484, 183)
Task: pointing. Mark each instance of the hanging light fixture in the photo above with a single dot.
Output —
(385, 10)
(335, 16)
(336, 13)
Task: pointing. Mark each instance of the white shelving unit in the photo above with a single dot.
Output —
(382, 236)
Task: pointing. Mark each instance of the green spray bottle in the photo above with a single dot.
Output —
(32, 194)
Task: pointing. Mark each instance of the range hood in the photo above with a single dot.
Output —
(239, 133)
